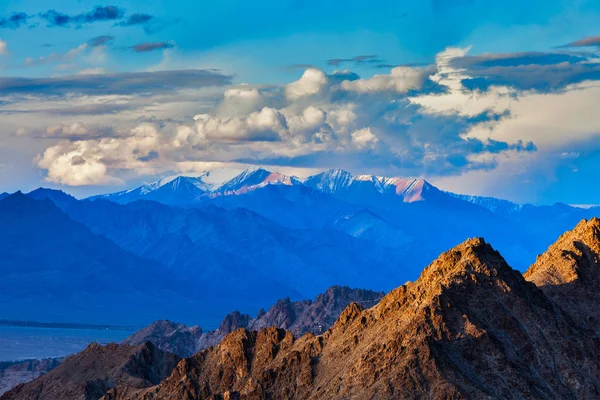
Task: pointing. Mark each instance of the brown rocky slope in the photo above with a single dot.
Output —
(569, 273)
(91, 373)
(469, 327)
(15, 373)
(299, 317)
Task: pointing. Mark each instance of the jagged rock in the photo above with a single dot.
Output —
(94, 371)
(168, 336)
(15, 373)
(569, 273)
(298, 317)
(469, 327)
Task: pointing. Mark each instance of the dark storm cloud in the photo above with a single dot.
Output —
(120, 83)
(98, 14)
(146, 47)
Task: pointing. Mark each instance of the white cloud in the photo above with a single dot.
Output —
(399, 80)
(3, 48)
(322, 121)
(364, 138)
(312, 82)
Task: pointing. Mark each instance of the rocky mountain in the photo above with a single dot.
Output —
(299, 317)
(3, 195)
(15, 373)
(409, 209)
(248, 259)
(96, 370)
(169, 336)
(497, 206)
(568, 273)
(55, 269)
(366, 188)
(469, 327)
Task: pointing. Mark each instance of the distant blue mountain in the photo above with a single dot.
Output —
(412, 208)
(190, 249)
(56, 269)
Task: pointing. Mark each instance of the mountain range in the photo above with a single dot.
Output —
(211, 245)
(469, 327)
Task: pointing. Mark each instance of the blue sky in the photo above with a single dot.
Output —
(478, 97)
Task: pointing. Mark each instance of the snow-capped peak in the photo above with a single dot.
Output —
(255, 178)
(340, 181)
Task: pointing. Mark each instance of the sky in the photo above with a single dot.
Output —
(484, 98)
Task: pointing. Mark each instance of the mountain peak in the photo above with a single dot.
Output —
(569, 273)
(575, 256)
(254, 178)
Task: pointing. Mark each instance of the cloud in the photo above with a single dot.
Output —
(585, 42)
(364, 138)
(311, 83)
(73, 131)
(413, 121)
(151, 46)
(357, 60)
(100, 40)
(135, 19)
(114, 84)
(98, 14)
(3, 48)
(53, 58)
(400, 80)
(14, 21)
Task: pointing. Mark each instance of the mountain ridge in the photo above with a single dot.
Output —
(469, 327)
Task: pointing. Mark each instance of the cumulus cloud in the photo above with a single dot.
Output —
(414, 121)
(3, 48)
(364, 138)
(311, 83)
(151, 46)
(400, 80)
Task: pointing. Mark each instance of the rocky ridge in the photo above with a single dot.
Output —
(91, 373)
(469, 327)
(299, 317)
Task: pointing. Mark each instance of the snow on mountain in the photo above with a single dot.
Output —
(359, 187)
(177, 190)
(497, 206)
(252, 179)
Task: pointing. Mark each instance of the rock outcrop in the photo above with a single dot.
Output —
(169, 336)
(91, 373)
(569, 273)
(15, 373)
(299, 317)
(469, 327)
